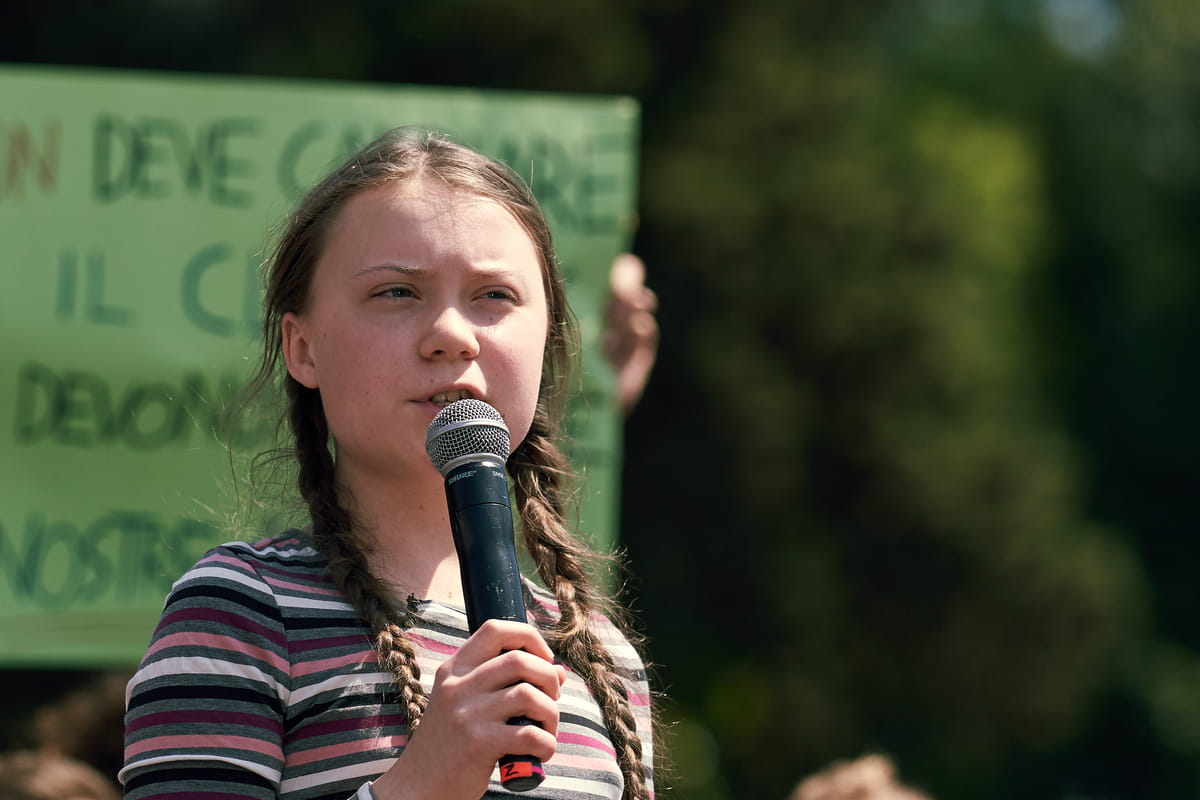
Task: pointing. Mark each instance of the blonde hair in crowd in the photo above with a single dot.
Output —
(872, 777)
(40, 775)
(540, 471)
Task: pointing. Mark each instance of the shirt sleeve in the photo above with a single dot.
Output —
(205, 710)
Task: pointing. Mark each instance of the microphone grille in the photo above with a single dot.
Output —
(466, 428)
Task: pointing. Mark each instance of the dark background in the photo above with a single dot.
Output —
(913, 474)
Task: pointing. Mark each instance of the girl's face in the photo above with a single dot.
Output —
(423, 295)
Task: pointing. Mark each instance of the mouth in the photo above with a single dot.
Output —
(443, 399)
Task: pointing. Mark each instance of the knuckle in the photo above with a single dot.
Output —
(461, 719)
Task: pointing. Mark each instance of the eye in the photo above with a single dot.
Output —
(396, 292)
(498, 293)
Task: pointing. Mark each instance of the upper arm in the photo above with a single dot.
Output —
(205, 710)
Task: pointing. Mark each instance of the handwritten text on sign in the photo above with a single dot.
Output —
(135, 212)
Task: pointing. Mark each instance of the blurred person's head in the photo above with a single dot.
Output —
(87, 724)
(36, 775)
(871, 777)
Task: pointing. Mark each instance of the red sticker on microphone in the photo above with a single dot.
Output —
(517, 769)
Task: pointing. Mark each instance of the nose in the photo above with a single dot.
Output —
(450, 335)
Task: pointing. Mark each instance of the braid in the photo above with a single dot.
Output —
(332, 531)
(539, 471)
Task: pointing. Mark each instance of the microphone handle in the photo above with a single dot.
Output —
(481, 520)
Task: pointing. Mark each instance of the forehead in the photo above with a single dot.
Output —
(428, 220)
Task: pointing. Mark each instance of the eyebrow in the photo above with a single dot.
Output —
(403, 269)
(487, 273)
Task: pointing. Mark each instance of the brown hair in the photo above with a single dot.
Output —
(46, 776)
(871, 777)
(86, 724)
(540, 471)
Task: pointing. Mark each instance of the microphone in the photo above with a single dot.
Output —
(468, 443)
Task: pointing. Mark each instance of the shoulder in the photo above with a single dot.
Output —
(286, 565)
(244, 599)
(291, 553)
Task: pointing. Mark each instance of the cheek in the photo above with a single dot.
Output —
(344, 349)
(345, 370)
(525, 366)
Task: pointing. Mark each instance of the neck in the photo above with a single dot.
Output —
(406, 525)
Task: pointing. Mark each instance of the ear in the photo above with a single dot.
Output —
(298, 350)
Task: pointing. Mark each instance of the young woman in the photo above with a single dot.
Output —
(334, 661)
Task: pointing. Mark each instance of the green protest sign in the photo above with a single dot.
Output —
(135, 210)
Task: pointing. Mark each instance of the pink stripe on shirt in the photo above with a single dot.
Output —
(217, 642)
(321, 665)
(344, 749)
(199, 743)
(586, 741)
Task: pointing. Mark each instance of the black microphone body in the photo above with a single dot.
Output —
(468, 443)
(481, 519)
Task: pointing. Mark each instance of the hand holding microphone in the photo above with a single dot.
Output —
(468, 442)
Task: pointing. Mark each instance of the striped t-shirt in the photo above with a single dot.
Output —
(261, 682)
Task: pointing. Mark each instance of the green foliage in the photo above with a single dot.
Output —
(868, 247)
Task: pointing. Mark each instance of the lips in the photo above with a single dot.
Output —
(448, 397)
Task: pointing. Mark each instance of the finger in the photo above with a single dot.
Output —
(496, 636)
(525, 700)
(498, 675)
(627, 275)
(647, 301)
(529, 740)
(644, 327)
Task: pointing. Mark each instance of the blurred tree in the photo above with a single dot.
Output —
(903, 514)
